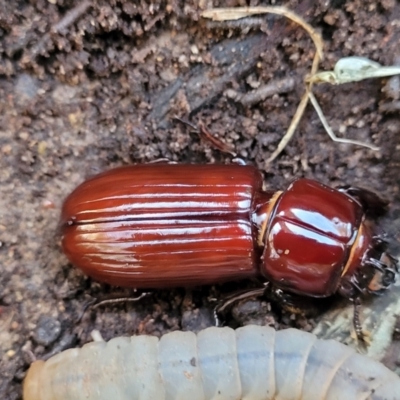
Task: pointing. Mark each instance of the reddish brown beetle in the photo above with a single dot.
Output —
(164, 225)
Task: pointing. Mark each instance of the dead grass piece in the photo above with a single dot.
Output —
(347, 69)
(228, 14)
(224, 14)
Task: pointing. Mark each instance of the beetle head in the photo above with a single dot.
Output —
(373, 274)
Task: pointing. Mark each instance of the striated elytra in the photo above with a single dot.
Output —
(170, 225)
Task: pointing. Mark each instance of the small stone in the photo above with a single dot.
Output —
(26, 88)
(197, 320)
(10, 353)
(47, 331)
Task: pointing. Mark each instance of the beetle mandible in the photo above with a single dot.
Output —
(170, 225)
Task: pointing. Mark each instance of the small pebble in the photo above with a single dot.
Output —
(47, 331)
(196, 320)
(10, 353)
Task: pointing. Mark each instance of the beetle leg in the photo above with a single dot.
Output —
(120, 300)
(86, 306)
(96, 303)
(355, 285)
(297, 304)
(226, 304)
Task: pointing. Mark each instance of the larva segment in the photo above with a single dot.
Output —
(52, 380)
(388, 391)
(251, 363)
(255, 353)
(31, 390)
(359, 379)
(218, 364)
(291, 354)
(125, 358)
(324, 359)
(179, 366)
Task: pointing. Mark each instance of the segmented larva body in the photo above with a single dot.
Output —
(250, 363)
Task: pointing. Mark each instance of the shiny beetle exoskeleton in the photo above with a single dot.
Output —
(251, 363)
(165, 225)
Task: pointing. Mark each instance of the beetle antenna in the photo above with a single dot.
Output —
(356, 321)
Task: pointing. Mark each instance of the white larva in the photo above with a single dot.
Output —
(250, 363)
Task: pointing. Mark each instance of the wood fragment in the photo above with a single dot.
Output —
(275, 87)
(69, 18)
(205, 82)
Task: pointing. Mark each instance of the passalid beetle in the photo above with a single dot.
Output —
(171, 225)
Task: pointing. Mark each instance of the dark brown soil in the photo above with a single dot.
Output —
(101, 87)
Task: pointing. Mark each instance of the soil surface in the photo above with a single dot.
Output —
(88, 86)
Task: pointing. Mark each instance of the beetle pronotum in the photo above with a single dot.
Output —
(250, 363)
